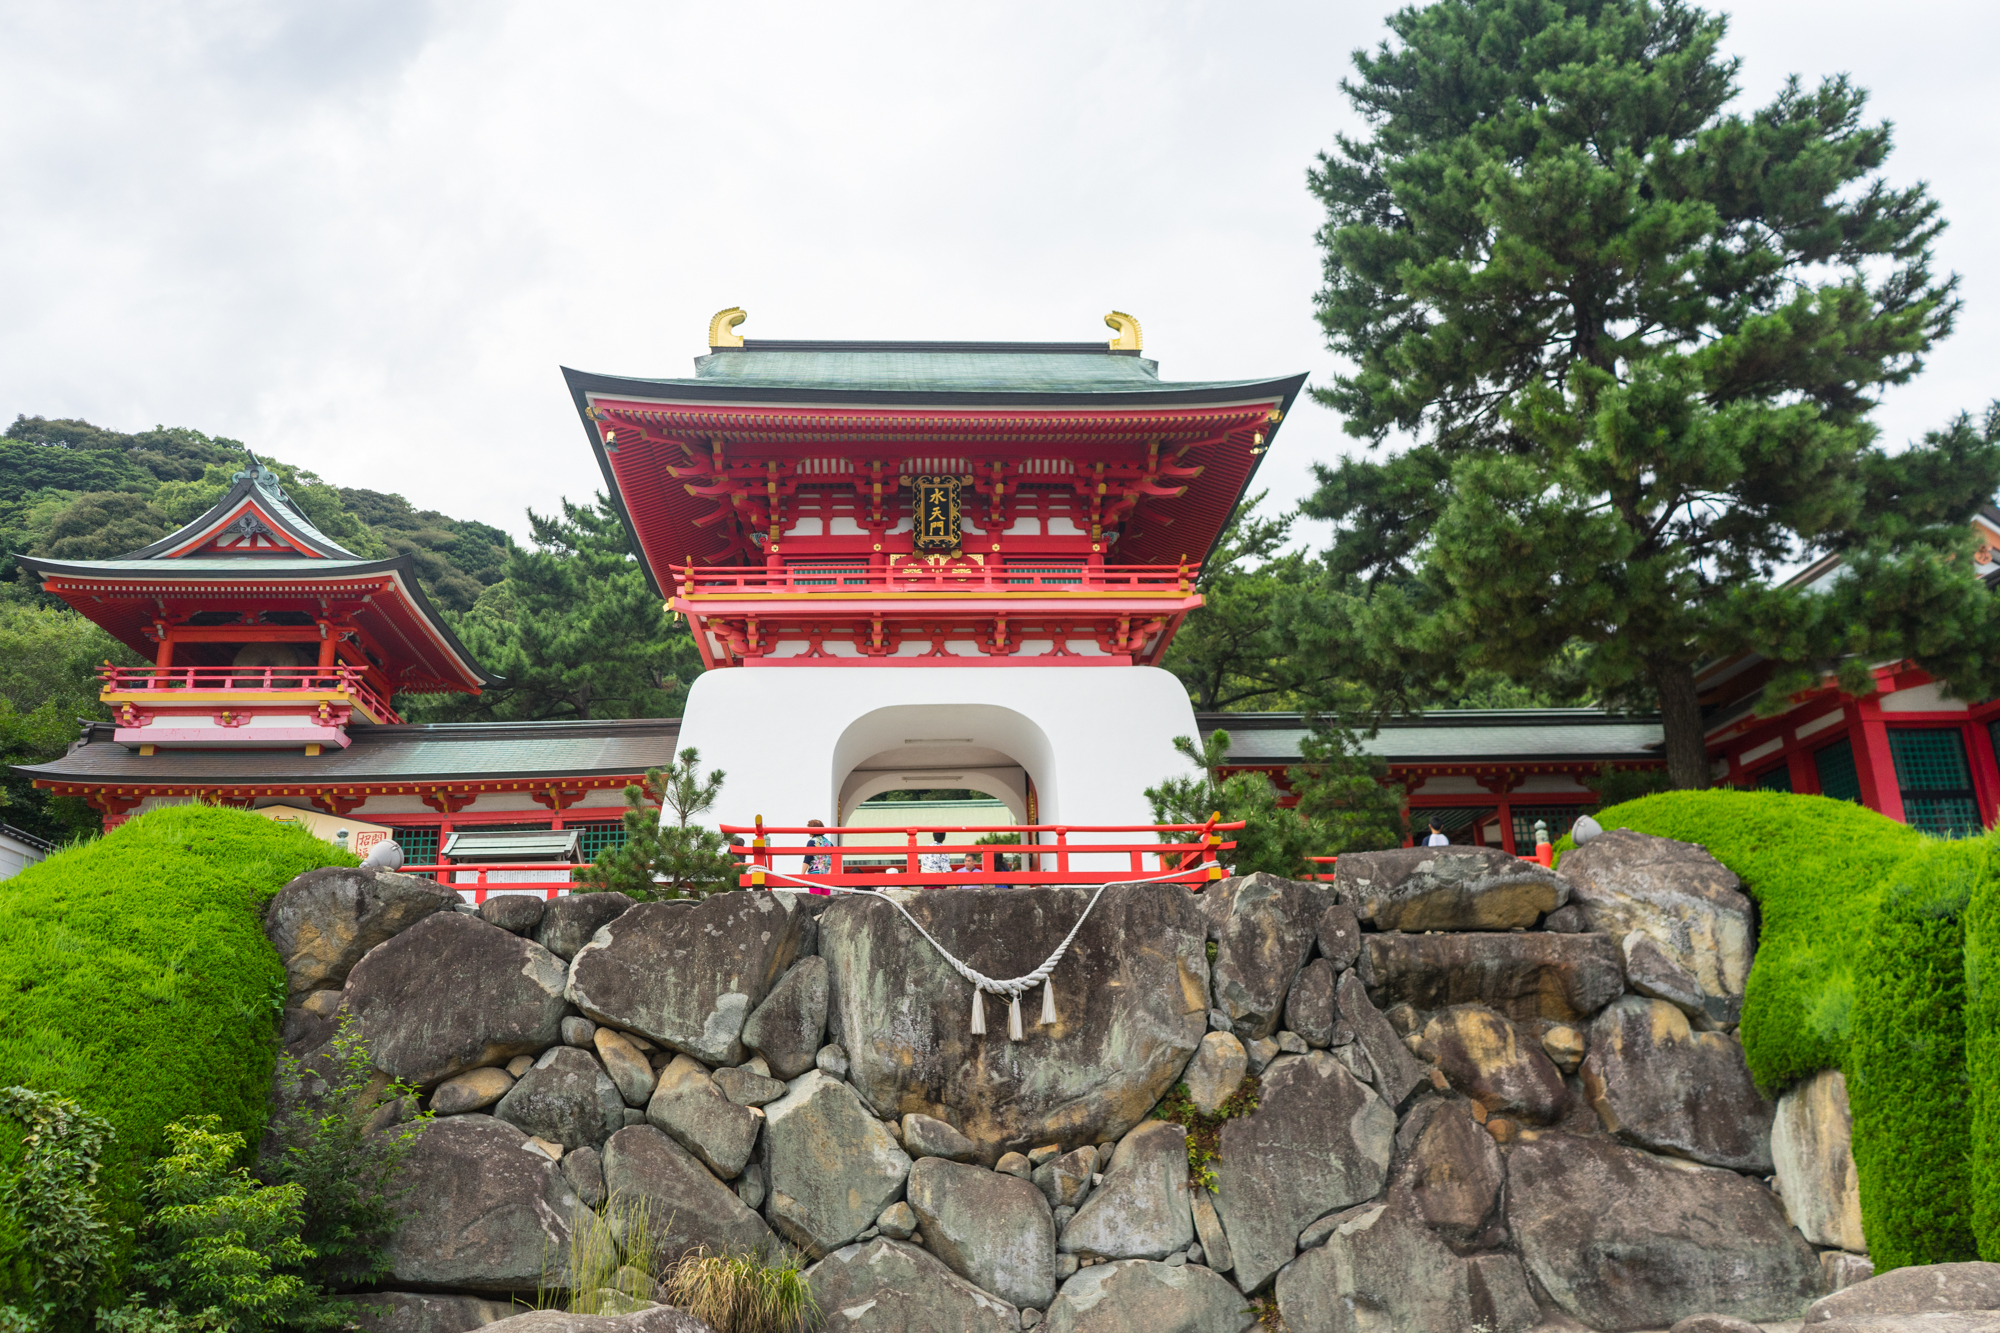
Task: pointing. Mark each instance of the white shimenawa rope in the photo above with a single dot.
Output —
(981, 983)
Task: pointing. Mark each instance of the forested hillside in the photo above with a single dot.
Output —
(568, 623)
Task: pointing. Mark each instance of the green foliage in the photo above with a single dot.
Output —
(48, 679)
(55, 1243)
(1636, 337)
(1342, 804)
(139, 982)
(457, 559)
(217, 1244)
(1204, 1132)
(613, 1249)
(1982, 1051)
(762, 1291)
(573, 629)
(1817, 868)
(329, 1146)
(1235, 651)
(662, 859)
(1906, 1062)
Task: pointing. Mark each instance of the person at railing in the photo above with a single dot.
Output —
(935, 862)
(818, 865)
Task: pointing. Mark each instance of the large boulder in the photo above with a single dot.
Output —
(1447, 888)
(692, 1110)
(1138, 1296)
(569, 922)
(831, 1166)
(453, 993)
(1216, 1071)
(1621, 1239)
(1812, 1146)
(1690, 903)
(688, 1207)
(1310, 1009)
(479, 1209)
(789, 1027)
(1396, 1073)
(1527, 975)
(1488, 1060)
(886, 1286)
(1319, 1140)
(566, 1098)
(326, 921)
(1956, 1321)
(1263, 929)
(1140, 1210)
(1131, 1004)
(688, 975)
(1921, 1290)
(1658, 1084)
(1339, 936)
(1452, 1170)
(1382, 1268)
(421, 1312)
(994, 1230)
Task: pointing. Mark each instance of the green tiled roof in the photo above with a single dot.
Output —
(1457, 736)
(236, 565)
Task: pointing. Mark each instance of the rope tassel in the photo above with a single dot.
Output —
(1048, 1002)
(978, 1013)
(1014, 1018)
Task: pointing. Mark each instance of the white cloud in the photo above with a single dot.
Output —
(363, 237)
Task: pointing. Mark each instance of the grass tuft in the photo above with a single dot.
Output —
(745, 1292)
(1204, 1132)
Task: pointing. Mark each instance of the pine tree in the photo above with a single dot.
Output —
(668, 857)
(1635, 338)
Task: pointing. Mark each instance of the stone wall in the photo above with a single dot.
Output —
(1488, 1095)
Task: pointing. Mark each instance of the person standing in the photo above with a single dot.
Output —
(936, 861)
(1437, 837)
(818, 865)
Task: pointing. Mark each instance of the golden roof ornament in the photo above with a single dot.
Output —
(1128, 339)
(721, 329)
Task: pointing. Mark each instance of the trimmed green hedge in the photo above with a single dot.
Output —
(136, 978)
(1982, 1050)
(1817, 868)
(1906, 1071)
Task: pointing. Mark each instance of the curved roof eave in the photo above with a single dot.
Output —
(582, 383)
(294, 524)
(275, 569)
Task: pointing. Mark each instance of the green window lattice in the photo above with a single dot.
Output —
(594, 838)
(1935, 781)
(420, 845)
(1837, 775)
(1557, 817)
(1778, 778)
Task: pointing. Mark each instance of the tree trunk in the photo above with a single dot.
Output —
(1680, 720)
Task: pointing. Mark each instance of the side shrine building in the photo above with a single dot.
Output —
(906, 565)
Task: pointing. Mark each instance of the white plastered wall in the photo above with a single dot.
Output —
(1092, 739)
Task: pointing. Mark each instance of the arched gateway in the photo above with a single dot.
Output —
(930, 564)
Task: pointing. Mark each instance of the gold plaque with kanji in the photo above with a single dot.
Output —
(937, 518)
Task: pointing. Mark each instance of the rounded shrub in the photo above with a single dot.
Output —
(137, 980)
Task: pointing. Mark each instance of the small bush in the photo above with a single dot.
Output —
(1982, 1050)
(1906, 1071)
(1817, 868)
(763, 1292)
(58, 1244)
(139, 983)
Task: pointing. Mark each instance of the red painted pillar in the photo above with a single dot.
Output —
(1507, 827)
(1805, 777)
(1985, 772)
(1873, 763)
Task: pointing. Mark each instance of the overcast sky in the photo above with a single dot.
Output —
(362, 236)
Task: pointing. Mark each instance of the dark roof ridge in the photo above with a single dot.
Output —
(949, 345)
(481, 731)
(1442, 717)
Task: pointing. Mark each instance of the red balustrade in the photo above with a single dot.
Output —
(1045, 860)
(313, 679)
(472, 881)
(807, 580)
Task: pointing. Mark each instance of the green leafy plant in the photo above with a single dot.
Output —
(218, 1245)
(59, 1233)
(612, 1252)
(331, 1145)
(1204, 1132)
(675, 858)
(750, 1291)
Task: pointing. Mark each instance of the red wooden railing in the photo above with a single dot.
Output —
(1040, 862)
(1052, 576)
(319, 680)
(472, 880)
